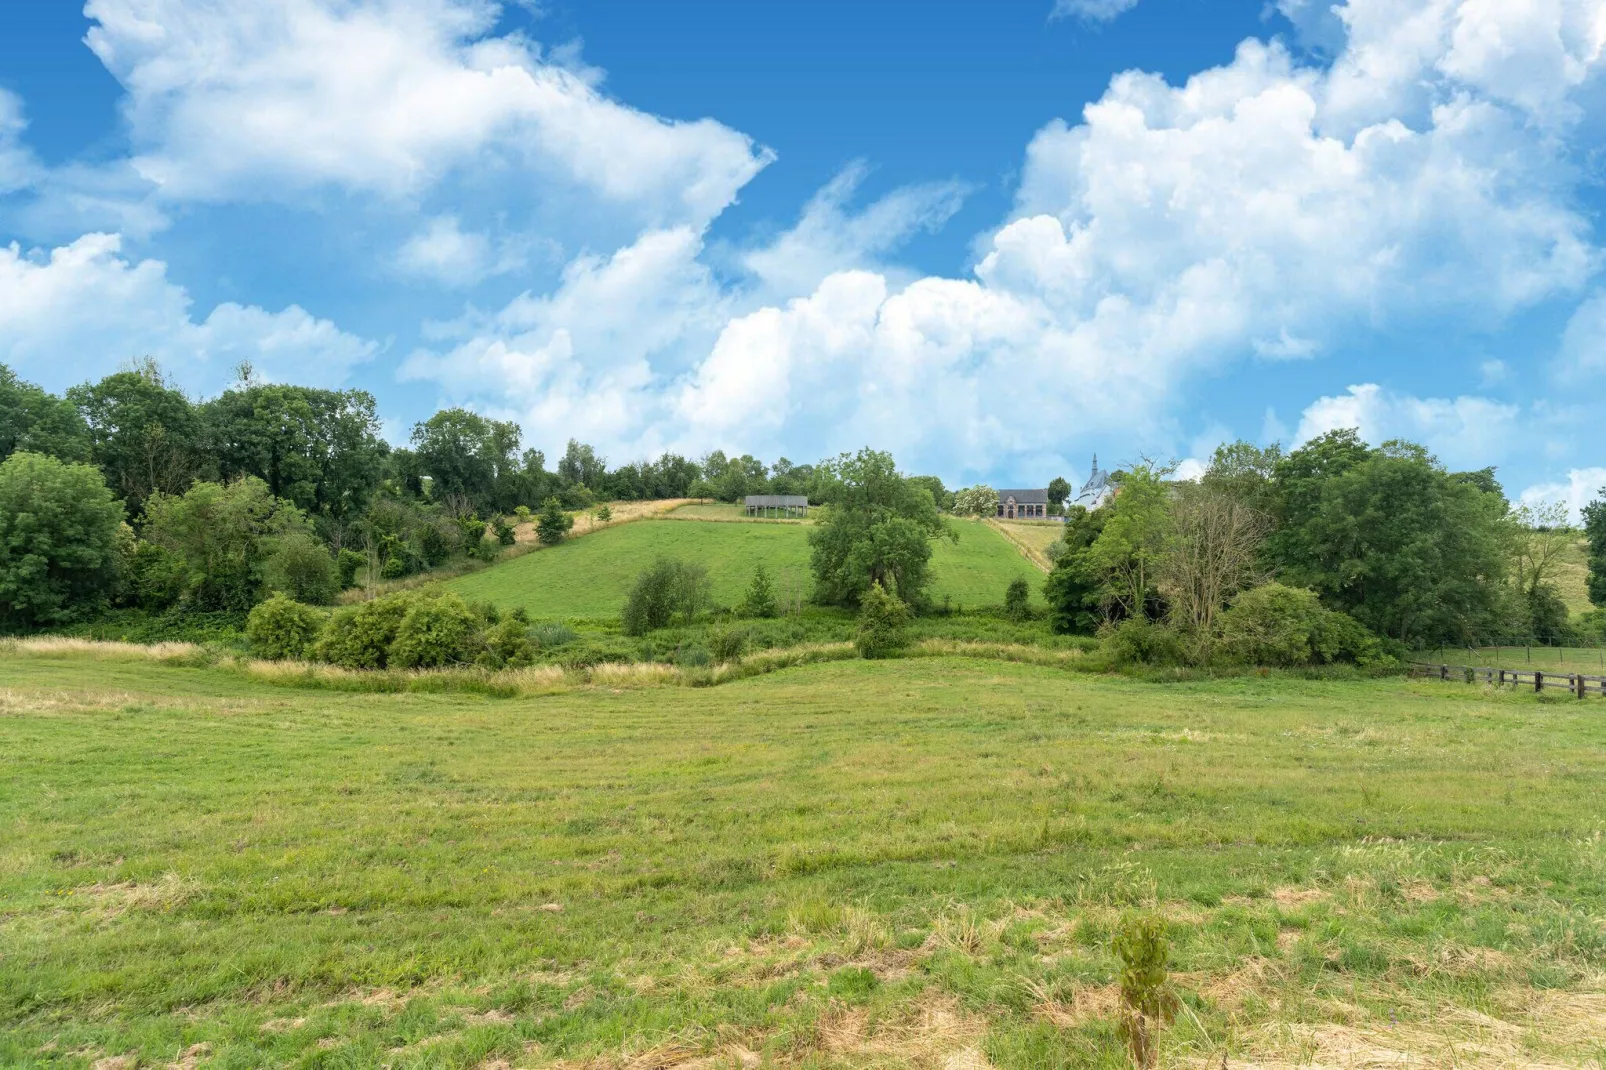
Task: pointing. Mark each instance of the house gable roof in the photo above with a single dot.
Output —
(1024, 497)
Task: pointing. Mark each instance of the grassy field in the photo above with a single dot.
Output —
(1572, 577)
(589, 577)
(908, 863)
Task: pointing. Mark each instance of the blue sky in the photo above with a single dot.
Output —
(992, 238)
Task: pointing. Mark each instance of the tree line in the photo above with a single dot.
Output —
(1386, 536)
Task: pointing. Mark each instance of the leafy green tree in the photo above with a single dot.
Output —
(581, 464)
(221, 538)
(1245, 473)
(1058, 491)
(1595, 533)
(470, 460)
(1397, 543)
(1138, 535)
(883, 623)
(554, 524)
(939, 493)
(1075, 595)
(144, 434)
(760, 598)
(59, 540)
(1300, 480)
(300, 566)
(877, 529)
(35, 421)
(319, 449)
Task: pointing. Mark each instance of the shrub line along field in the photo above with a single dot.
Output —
(589, 577)
(907, 863)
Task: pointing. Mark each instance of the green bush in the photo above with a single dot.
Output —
(347, 565)
(283, 629)
(436, 631)
(395, 568)
(692, 656)
(300, 567)
(504, 533)
(1287, 627)
(728, 643)
(1139, 641)
(1017, 600)
(359, 637)
(507, 646)
(665, 590)
(883, 624)
(60, 531)
(604, 514)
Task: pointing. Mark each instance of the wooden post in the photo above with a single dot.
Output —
(1444, 672)
(1578, 684)
(1502, 678)
(1539, 680)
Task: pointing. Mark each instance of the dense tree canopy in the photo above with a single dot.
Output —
(877, 529)
(59, 536)
(144, 434)
(39, 422)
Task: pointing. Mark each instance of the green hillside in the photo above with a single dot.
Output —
(588, 577)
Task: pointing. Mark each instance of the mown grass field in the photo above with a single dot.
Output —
(590, 576)
(909, 863)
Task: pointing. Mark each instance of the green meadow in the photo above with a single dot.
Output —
(907, 863)
(588, 577)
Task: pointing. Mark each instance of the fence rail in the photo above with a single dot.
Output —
(1579, 684)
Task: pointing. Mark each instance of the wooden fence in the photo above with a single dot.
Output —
(1579, 684)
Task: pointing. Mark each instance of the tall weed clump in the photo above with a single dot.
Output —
(883, 624)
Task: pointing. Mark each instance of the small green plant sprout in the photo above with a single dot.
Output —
(604, 514)
(1147, 1002)
(554, 525)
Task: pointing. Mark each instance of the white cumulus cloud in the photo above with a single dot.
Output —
(390, 97)
(1464, 432)
(1092, 10)
(68, 315)
(1581, 487)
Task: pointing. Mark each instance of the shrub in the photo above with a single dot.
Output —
(504, 533)
(221, 537)
(1282, 626)
(1074, 594)
(359, 637)
(693, 656)
(282, 629)
(507, 646)
(523, 513)
(395, 568)
(883, 624)
(60, 530)
(301, 568)
(433, 545)
(436, 631)
(665, 589)
(1017, 600)
(728, 644)
(554, 525)
(347, 565)
(1139, 641)
(604, 514)
(760, 598)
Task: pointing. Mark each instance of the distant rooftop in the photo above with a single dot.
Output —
(1024, 497)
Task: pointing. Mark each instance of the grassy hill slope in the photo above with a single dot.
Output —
(1572, 576)
(589, 577)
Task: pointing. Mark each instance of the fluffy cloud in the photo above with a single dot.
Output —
(1582, 486)
(388, 97)
(1092, 10)
(18, 169)
(1463, 431)
(65, 317)
(443, 252)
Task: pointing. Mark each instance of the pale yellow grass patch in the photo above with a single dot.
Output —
(114, 900)
(934, 1034)
(56, 644)
(1031, 540)
(623, 513)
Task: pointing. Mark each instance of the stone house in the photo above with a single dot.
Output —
(1023, 505)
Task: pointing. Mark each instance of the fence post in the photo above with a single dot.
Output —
(1444, 672)
(1539, 680)
(1578, 684)
(1502, 678)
